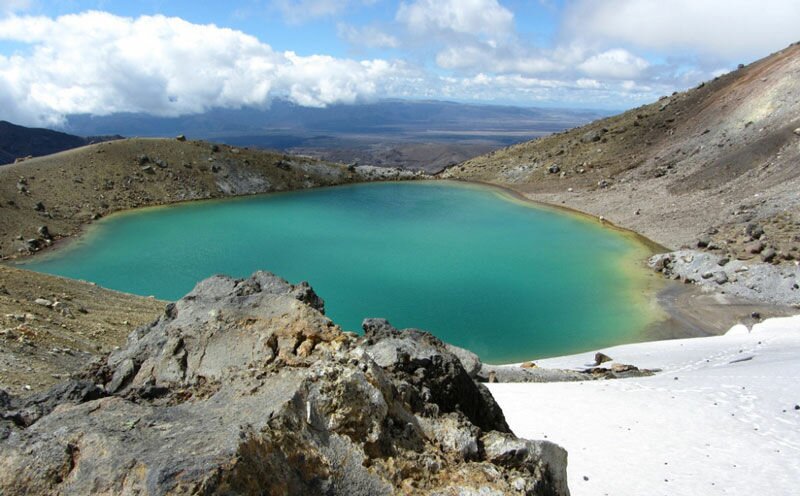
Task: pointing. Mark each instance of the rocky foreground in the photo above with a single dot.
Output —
(245, 387)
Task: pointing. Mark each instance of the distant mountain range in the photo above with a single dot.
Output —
(398, 117)
(427, 135)
(19, 142)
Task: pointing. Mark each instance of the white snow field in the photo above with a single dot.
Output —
(722, 418)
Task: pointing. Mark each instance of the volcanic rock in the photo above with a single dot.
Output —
(245, 387)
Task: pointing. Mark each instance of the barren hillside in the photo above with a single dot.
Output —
(705, 163)
(65, 191)
(51, 326)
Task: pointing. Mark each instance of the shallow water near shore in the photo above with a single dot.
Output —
(509, 280)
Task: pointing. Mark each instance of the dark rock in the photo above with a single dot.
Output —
(754, 247)
(32, 245)
(768, 255)
(507, 450)
(591, 136)
(170, 311)
(405, 352)
(554, 169)
(142, 159)
(662, 263)
(703, 242)
(305, 293)
(26, 412)
(601, 358)
(44, 232)
(180, 137)
(754, 230)
(39, 207)
(721, 278)
(723, 261)
(214, 148)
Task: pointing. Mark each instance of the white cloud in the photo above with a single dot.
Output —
(588, 83)
(582, 92)
(491, 58)
(100, 63)
(298, 11)
(720, 28)
(368, 36)
(616, 64)
(485, 17)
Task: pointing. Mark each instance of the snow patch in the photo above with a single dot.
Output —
(722, 418)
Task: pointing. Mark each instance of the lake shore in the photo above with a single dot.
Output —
(687, 309)
(683, 310)
(680, 310)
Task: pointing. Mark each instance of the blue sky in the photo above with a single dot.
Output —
(177, 57)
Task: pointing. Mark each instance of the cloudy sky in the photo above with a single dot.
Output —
(173, 57)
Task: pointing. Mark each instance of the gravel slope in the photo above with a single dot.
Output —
(707, 161)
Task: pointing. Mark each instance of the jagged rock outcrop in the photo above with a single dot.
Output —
(245, 387)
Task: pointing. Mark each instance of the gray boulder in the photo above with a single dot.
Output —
(423, 361)
(245, 387)
(768, 255)
(509, 451)
(591, 136)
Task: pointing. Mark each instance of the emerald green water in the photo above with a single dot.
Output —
(502, 278)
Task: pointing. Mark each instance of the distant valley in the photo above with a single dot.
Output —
(420, 135)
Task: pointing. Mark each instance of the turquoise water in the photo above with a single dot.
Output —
(500, 277)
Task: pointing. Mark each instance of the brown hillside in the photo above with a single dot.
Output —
(69, 189)
(707, 161)
(41, 344)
